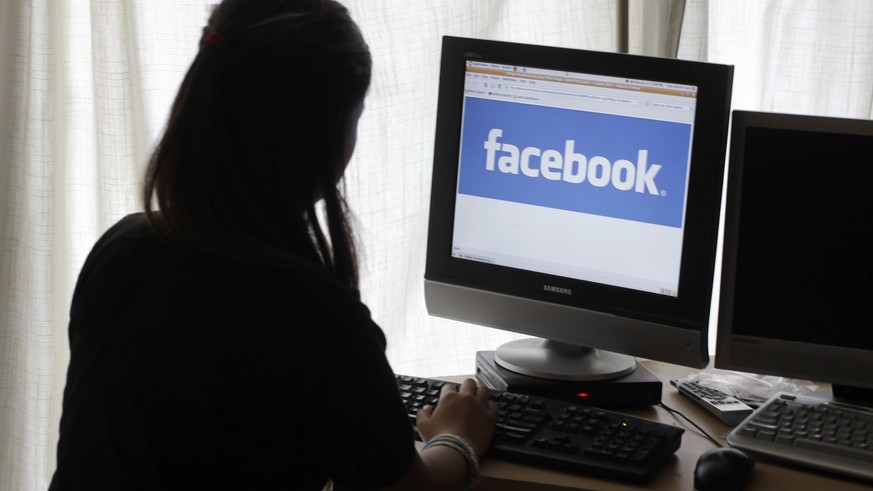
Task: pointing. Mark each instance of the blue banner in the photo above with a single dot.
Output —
(615, 166)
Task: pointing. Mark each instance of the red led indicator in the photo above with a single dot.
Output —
(582, 394)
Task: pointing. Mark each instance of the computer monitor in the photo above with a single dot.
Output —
(575, 198)
(797, 279)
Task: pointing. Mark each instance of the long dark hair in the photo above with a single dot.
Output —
(257, 135)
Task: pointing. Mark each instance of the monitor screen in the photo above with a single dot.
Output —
(575, 198)
(797, 279)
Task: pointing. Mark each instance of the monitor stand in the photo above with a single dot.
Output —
(555, 360)
(638, 388)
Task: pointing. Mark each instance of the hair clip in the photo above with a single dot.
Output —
(214, 39)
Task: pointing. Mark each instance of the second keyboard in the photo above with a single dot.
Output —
(558, 434)
(811, 432)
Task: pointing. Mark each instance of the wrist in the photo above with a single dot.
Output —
(463, 448)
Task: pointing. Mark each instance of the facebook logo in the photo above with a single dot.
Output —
(616, 166)
(554, 165)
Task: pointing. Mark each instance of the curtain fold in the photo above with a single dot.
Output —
(80, 107)
(655, 27)
(389, 177)
(85, 88)
(794, 56)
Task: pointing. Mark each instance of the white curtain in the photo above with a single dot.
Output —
(389, 177)
(85, 87)
(792, 56)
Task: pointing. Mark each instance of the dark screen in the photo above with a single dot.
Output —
(805, 250)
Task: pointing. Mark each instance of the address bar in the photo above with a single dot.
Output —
(624, 100)
(600, 98)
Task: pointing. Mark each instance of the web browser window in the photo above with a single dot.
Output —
(573, 174)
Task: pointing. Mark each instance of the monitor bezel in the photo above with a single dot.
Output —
(763, 355)
(686, 315)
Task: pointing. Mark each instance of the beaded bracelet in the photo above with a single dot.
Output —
(465, 449)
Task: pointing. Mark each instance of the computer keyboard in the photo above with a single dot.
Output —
(562, 435)
(811, 432)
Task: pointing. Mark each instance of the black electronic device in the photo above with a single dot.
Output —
(723, 469)
(797, 277)
(575, 198)
(538, 430)
(797, 284)
(638, 388)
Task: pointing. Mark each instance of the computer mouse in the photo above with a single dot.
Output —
(723, 469)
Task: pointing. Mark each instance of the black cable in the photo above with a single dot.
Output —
(686, 418)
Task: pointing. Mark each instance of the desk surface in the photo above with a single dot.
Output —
(678, 473)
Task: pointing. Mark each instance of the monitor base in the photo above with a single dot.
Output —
(544, 358)
(638, 388)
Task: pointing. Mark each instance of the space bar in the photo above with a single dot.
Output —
(839, 450)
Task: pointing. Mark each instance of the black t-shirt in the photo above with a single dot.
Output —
(193, 372)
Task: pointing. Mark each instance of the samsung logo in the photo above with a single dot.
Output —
(557, 289)
(741, 340)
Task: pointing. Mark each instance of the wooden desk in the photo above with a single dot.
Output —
(678, 473)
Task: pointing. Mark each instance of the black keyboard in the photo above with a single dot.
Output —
(563, 435)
